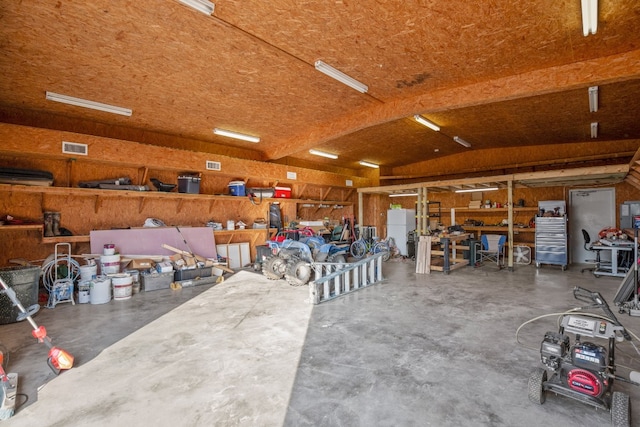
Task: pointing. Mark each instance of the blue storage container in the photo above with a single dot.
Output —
(237, 188)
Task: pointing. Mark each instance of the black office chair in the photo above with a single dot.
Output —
(588, 246)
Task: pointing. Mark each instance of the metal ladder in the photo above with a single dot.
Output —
(336, 279)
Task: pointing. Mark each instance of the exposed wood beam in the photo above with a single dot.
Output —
(610, 69)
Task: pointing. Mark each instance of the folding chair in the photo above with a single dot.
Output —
(493, 248)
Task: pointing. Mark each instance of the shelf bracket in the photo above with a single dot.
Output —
(145, 173)
(98, 203)
(142, 204)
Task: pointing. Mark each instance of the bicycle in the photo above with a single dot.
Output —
(363, 246)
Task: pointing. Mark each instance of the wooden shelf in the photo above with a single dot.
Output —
(21, 227)
(66, 239)
(504, 229)
(94, 192)
(493, 210)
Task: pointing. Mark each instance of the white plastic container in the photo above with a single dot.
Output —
(122, 286)
(100, 291)
(109, 264)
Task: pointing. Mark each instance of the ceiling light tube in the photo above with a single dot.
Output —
(403, 194)
(203, 6)
(593, 99)
(426, 123)
(236, 135)
(78, 102)
(323, 154)
(461, 141)
(594, 130)
(341, 77)
(474, 190)
(369, 165)
(589, 17)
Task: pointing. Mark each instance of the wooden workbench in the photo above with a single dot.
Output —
(448, 249)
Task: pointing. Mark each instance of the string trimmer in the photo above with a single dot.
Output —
(58, 359)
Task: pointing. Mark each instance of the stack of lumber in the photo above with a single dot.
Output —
(423, 255)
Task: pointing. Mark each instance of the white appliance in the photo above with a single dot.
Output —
(399, 223)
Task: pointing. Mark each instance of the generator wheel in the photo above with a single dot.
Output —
(620, 409)
(536, 390)
(298, 273)
(273, 268)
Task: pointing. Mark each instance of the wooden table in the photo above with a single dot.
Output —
(449, 246)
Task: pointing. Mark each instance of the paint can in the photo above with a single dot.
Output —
(121, 286)
(84, 290)
(110, 264)
(135, 280)
(100, 292)
(109, 249)
(88, 272)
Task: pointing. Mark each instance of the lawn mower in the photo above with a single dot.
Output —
(585, 370)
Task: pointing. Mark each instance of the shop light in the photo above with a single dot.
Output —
(341, 77)
(593, 99)
(79, 102)
(403, 194)
(203, 6)
(475, 190)
(461, 141)
(589, 17)
(323, 154)
(426, 123)
(236, 135)
(369, 165)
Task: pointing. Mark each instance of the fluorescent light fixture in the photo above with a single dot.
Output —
(323, 154)
(78, 102)
(594, 130)
(369, 165)
(403, 194)
(593, 99)
(426, 123)
(236, 135)
(203, 6)
(341, 77)
(461, 141)
(475, 190)
(589, 17)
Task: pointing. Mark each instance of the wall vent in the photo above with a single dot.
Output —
(213, 166)
(75, 148)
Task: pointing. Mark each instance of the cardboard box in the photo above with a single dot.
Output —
(155, 281)
(140, 264)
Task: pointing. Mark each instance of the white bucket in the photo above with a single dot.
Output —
(100, 292)
(135, 280)
(231, 225)
(109, 264)
(84, 288)
(109, 249)
(88, 272)
(121, 286)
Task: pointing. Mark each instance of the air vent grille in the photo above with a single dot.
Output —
(213, 166)
(75, 148)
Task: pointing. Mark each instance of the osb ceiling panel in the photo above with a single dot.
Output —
(497, 74)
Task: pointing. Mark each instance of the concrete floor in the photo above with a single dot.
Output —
(415, 350)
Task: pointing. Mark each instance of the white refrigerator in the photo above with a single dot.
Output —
(399, 223)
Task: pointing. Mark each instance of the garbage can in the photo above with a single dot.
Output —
(25, 282)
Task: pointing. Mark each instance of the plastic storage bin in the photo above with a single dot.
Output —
(283, 192)
(189, 184)
(25, 282)
(155, 281)
(237, 188)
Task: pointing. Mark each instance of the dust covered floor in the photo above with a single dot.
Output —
(415, 350)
